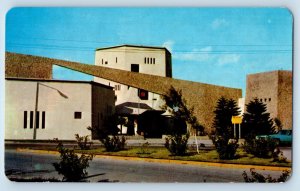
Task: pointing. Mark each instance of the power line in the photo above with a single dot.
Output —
(220, 51)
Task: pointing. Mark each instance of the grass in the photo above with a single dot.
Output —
(204, 156)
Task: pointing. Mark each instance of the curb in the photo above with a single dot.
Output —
(169, 161)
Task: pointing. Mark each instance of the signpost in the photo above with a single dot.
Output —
(236, 120)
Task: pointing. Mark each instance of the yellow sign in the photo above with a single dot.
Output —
(236, 120)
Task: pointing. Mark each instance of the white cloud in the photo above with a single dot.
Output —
(217, 23)
(228, 59)
(202, 54)
(169, 45)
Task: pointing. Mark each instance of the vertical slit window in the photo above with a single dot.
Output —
(145, 60)
(31, 119)
(43, 119)
(116, 59)
(148, 60)
(25, 119)
(37, 120)
(102, 61)
(153, 60)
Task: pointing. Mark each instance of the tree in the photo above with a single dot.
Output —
(223, 129)
(177, 106)
(278, 124)
(256, 120)
(225, 109)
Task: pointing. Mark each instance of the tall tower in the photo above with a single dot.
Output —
(143, 59)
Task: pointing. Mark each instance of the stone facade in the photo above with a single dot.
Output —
(275, 89)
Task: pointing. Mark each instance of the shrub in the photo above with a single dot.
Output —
(262, 148)
(278, 156)
(256, 177)
(71, 166)
(83, 142)
(226, 149)
(114, 143)
(177, 144)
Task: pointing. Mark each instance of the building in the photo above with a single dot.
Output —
(64, 108)
(203, 97)
(140, 59)
(275, 89)
(132, 102)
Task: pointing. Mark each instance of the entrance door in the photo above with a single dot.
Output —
(135, 68)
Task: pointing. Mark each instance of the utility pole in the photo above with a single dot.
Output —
(35, 110)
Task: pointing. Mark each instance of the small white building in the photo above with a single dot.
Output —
(143, 59)
(64, 108)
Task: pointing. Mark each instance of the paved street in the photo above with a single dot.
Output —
(27, 165)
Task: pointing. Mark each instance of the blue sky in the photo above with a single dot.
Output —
(211, 45)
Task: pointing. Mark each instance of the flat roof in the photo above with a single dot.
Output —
(136, 46)
(60, 81)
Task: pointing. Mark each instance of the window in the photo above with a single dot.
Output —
(143, 94)
(145, 60)
(265, 99)
(43, 119)
(116, 59)
(269, 99)
(148, 60)
(77, 115)
(106, 62)
(261, 100)
(37, 119)
(134, 68)
(153, 60)
(25, 120)
(102, 61)
(31, 119)
(117, 87)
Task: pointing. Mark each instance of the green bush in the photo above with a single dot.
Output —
(177, 144)
(114, 143)
(71, 166)
(256, 177)
(262, 148)
(83, 142)
(226, 149)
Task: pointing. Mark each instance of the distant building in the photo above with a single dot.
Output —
(275, 89)
(64, 108)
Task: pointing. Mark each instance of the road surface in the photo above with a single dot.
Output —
(28, 165)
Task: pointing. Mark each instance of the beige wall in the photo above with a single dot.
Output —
(275, 90)
(59, 121)
(102, 104)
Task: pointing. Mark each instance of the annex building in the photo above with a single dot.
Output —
(275, 89)
(45, 109)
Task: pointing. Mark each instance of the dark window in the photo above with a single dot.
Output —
(269, 99)
(261, 100)
(25, 119)
(153, 60)
(143, 94)
(145, 60)
(43, 119)
(31, 119)
(77, 115)
(265, 99)
(106, 62)
(116, 59)
(37, 119)
(148, 60)
(134, 68)
(102, 62)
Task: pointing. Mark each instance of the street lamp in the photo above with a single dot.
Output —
(37, 103)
